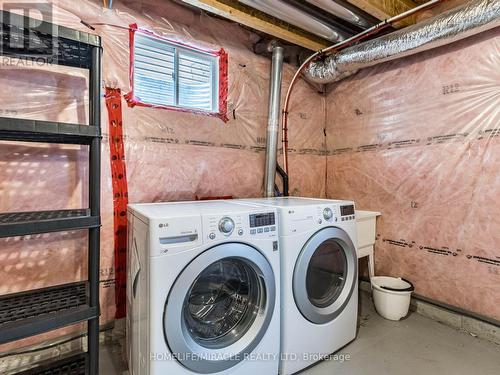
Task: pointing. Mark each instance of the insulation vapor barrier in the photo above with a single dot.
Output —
(168, 155)
(418, 139)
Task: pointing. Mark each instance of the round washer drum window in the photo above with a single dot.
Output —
(326, 274)
(223, 303)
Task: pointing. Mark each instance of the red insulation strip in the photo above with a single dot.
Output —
(120, 196)
(223, 85)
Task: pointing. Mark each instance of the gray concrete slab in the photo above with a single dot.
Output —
(416, 345)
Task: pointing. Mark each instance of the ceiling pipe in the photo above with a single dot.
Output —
(325, 16)
(466, 20)
(291, 53)
(273, 124)
(288, 13)
(336, 47)
(338, 10)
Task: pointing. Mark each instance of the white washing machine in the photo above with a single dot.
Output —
(319, 283)
(202, 291)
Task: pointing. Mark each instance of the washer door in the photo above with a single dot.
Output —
(325, 275)
(219, 307)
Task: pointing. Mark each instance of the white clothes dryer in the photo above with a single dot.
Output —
(319, 278)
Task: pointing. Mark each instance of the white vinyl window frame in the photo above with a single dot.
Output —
(172, 76)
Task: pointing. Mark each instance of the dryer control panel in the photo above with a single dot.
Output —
(298, 219)
(347, 212)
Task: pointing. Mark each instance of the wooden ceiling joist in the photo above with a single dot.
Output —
(234, 11)
(383, 9)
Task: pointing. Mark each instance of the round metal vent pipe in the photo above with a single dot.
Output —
(273, 124)
(469, 19)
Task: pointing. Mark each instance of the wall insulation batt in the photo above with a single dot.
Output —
(169, 155)
(418, 139)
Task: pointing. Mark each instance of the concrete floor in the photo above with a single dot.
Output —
(413, 346)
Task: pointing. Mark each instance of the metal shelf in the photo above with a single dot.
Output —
(34, 222)
(22, 130)
(73, 365)
(32, 312)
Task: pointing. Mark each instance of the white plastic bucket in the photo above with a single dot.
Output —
(391, 296)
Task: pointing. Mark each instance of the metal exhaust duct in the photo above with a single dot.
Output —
(469, 19)
(273, 124)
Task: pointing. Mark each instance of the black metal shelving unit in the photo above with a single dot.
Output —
(36, 311)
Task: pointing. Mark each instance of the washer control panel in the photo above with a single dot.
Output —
(222, 227)
(327, 213)
(237, 226)
(226, 225)
(262, 223)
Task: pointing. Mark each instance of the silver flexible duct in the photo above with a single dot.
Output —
(273, 120)
(469, 19)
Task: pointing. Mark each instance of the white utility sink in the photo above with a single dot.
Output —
(366, 227)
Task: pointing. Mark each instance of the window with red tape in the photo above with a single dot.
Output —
(170, 75)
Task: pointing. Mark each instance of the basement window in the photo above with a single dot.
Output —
(165, 74)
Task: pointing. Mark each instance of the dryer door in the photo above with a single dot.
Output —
(220, 307)
(325, 275)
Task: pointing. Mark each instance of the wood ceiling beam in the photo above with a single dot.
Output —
(383, 9)
(237, 12)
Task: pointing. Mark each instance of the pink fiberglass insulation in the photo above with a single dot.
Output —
(418, 140)
(169, 155)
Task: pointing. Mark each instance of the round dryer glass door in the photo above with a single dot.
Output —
(325, 275)
(220, 307)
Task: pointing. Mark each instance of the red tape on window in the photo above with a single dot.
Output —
(133, 100)
(120, 196)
